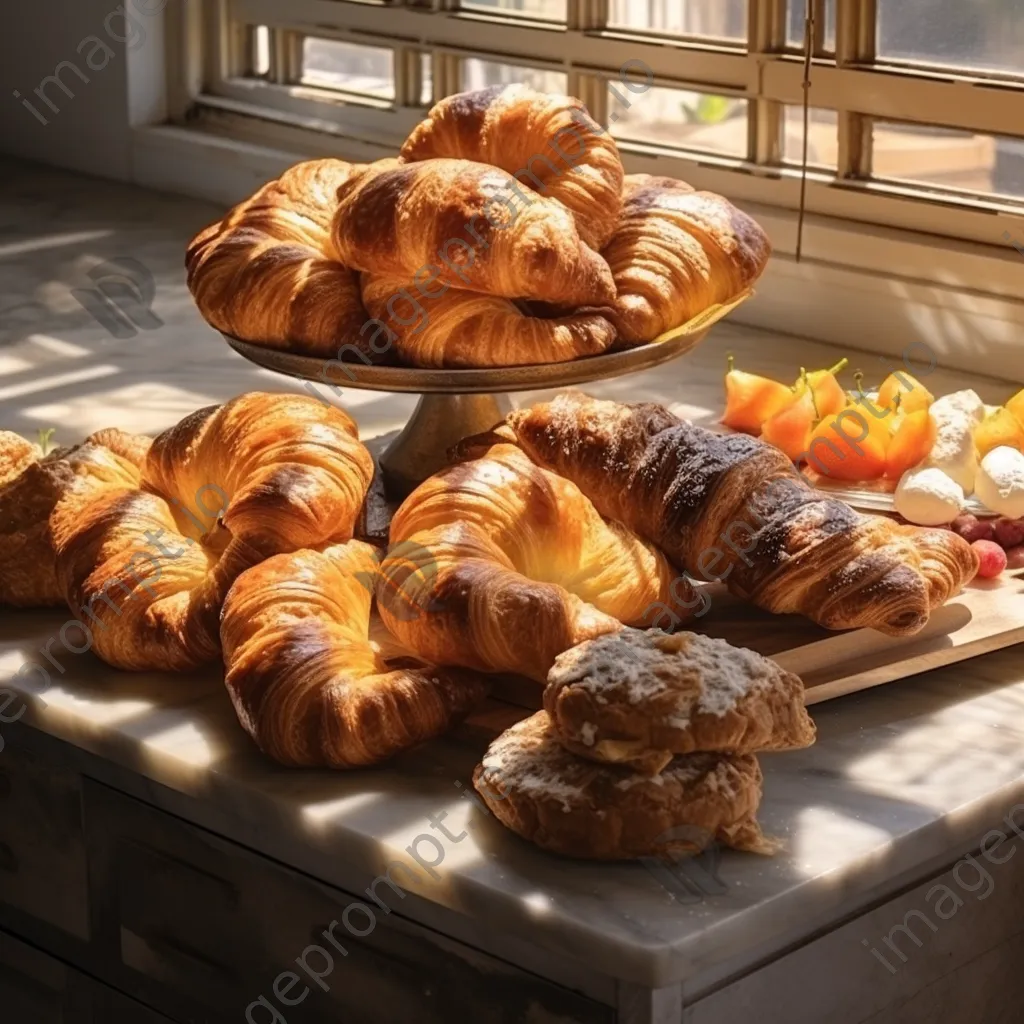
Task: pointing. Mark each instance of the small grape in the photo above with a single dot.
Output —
(1009, 532)
(993, 558)
(971, 528)
(1015, 557)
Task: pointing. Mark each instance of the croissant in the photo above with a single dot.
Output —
(733, 508)
(455, 223)
(675, 252)
(147, 564)
(549, 143)
(306, 682)
(507, 565)
(266, 273)
(31, 485)
(462, 329)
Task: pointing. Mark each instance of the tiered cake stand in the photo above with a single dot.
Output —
(457, 403)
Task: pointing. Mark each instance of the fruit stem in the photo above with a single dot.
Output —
(730, 361)
(814, 398)
(841, 365)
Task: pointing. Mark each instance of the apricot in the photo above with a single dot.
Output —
(850, 446)
(910, 444)
(913, 395)
(750, 400)
(1015, 406)
(829, 396)
(790, 428)
(1001, 427)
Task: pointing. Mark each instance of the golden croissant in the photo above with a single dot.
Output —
(676, 252)
(31, 485)
(147, 565)
(465, 329)
(498, 565)
(730, 507)
(459, 224)
(305, 680)
(549, 143)
(266, 273)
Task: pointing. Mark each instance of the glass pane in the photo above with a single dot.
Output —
(718, 19)
(478, 74)
(550, 10)
(945, 158)
(983, 34)
(795, 20)
(676, 117)
(260, 50)
(426, 80)
(822, 137)
(364, 70)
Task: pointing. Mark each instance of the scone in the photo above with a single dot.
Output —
(579, 808)
(641, 697)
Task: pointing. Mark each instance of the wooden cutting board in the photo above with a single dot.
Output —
(987, 616)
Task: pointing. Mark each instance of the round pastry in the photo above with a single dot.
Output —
(266, 272)
(307, 683)
(640, 697)
(549, 143)
(675, 252)
(31, 485)
(146, 565)
(579, 808)
(464, 329)
(509, 565)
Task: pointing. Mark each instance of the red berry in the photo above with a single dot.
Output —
(1015, 557)
(993, 558)
(1009, 532)
(971, 528)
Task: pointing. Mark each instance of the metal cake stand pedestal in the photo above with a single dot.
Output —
(458, 403)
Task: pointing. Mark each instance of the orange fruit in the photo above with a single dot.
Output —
(790, 428)
(910, 444)
(849, 446)
(1001, 427)
(1016, 407)
(913, 395)
(750, 400)
(829, 396)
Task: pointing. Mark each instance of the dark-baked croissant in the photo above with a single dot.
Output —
(459, 224)
(266, 273)
(676, 252)
(730, 507)
(307, 683)
(31, 485)
(147, 565)
(549, 142)
(463, 329)
(510, 565)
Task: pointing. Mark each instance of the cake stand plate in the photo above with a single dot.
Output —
(457, 403)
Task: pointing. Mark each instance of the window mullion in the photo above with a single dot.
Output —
(587, 15)
(766, 37)
(856, 22)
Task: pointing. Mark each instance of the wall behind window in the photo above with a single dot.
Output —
(91, 131)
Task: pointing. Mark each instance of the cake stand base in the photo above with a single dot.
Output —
(438, 422)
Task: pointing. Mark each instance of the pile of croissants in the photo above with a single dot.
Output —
(235, 535)
(506, 233)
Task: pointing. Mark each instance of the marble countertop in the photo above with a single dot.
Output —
(902, 781)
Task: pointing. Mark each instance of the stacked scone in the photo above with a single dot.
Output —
(646, 748)
(506, 233)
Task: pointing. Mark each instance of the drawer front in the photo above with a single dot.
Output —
(189, 912)
(42, 843)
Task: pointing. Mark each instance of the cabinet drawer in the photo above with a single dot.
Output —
(189, 912)
(42, 844)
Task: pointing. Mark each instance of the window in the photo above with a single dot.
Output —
(916, 105)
